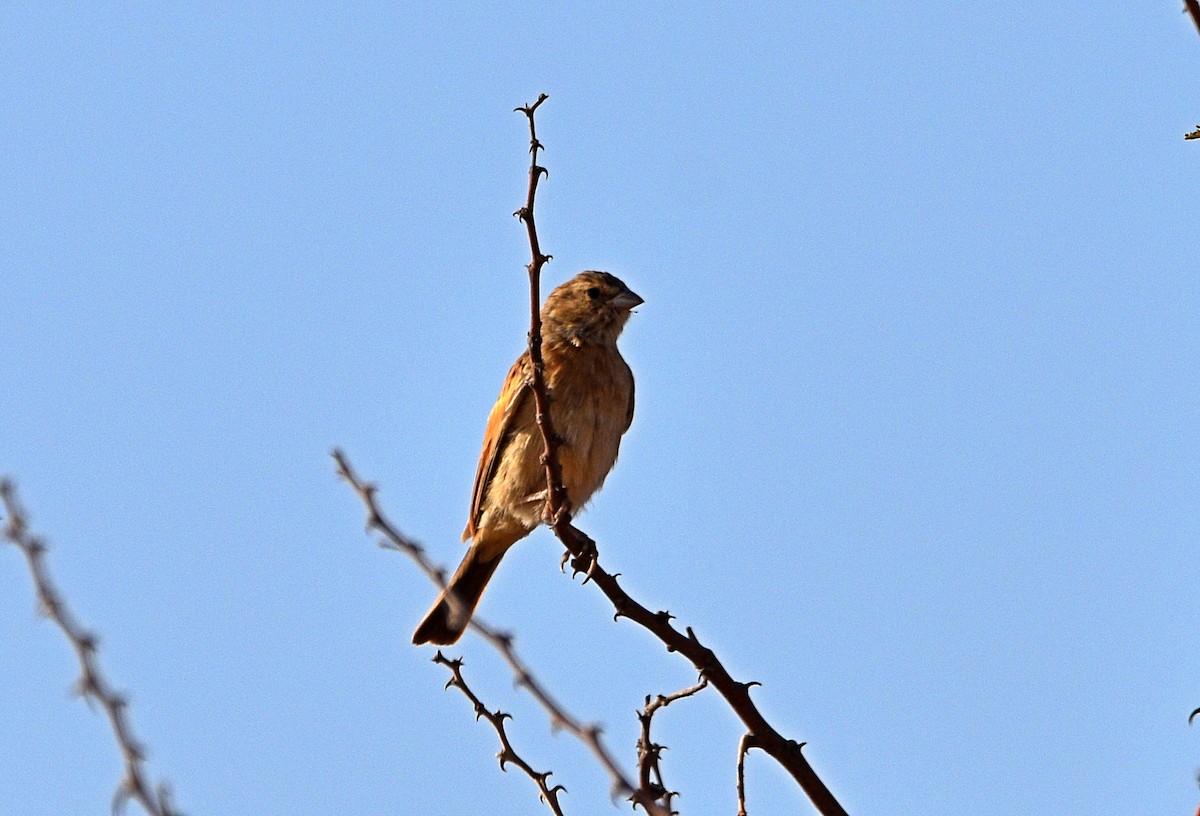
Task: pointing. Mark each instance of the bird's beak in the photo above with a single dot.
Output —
(627, 300)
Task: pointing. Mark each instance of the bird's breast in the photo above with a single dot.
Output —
(589, 406)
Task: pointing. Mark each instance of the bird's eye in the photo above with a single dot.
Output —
(594, 293)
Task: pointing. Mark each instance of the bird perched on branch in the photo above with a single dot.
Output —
(591, 405)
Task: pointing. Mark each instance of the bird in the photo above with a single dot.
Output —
(591, 407)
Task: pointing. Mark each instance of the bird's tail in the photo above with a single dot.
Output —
(447, 620)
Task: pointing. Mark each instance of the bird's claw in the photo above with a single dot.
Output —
(585, 558)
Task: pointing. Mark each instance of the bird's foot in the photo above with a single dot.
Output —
(581, 552)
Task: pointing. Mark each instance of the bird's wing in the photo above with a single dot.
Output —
(515, 391)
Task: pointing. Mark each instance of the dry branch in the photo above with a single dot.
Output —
(507, 754)
(761, 734)
(587, 733)
(557, 501)
(583, 550)
(91, 685)
(650, 752)
(744, 746)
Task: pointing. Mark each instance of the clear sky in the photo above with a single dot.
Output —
(917, 428)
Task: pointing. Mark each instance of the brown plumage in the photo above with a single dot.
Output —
(591, 405)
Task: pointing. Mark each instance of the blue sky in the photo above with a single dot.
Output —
(916, 437)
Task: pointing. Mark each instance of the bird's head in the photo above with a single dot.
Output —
(591, 307)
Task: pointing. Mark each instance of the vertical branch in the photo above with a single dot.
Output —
(785, 751)
(556, 493)
(744, 746)
(558, 506)
(650, 752)
(91, 685)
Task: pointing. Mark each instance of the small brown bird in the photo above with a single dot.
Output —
(591, 406)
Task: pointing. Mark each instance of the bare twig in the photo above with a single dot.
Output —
(1195, 134)
(785, 751)
(649, 752)
(744, 746)
(548, 794)
(558, 504)
(376, 522)
(588, 734)
(91, 685)
(558, 514)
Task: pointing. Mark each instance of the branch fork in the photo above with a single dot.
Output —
(582, 552)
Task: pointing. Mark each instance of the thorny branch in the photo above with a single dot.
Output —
(393, 539)
(650, 752)
(92, 686)
(549, 795)
(585, 559)
(588, 734)
(762, 734)
(558, 504)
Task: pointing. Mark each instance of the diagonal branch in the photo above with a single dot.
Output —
(92, 685)
(558, 513)
(786, 752)
(548, 794)
(587, 733)
(1192, 8)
